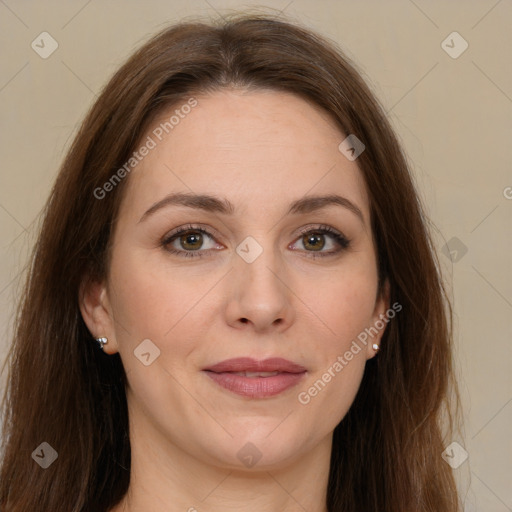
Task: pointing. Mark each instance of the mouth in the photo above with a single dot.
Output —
(256, 379)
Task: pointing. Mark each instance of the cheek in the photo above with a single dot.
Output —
(146, 302)
(152, 301)
(344, 303)
(345, 308)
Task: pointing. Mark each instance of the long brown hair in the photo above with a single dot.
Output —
(63, 390)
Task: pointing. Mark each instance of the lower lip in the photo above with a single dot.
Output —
(256, 387)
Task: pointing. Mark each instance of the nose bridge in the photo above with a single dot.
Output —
(259, 291)
(258, 266)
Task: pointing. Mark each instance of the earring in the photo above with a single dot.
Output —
(102, 342)
(375, 347)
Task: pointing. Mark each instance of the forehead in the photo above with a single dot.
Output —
(260, 149)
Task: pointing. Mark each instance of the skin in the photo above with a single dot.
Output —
(261, 150)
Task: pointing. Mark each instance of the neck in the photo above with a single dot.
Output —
(165, 478)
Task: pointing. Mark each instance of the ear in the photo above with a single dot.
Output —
(379, 323)
(97, 312)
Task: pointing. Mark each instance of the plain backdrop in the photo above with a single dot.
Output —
(450, 105)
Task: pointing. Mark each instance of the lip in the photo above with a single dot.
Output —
(289, 375)
(248, 364)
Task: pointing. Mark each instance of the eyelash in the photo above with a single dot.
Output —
(321, 229)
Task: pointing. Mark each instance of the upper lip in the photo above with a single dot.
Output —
(248, 364)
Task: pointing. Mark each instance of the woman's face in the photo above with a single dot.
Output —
(254, 276)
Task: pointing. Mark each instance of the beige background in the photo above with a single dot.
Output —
(452, 115)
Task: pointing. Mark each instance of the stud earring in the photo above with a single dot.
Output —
(102, 342)
(375, 347)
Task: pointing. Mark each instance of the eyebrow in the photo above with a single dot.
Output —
(208, 203)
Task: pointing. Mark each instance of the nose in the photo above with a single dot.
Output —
(260, 296)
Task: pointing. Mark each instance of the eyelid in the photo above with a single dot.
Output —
(202, 228)
(322, 227)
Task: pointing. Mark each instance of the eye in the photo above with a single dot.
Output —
(313, 240)
(189, 241)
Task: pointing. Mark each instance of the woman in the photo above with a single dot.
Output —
(234, 302)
